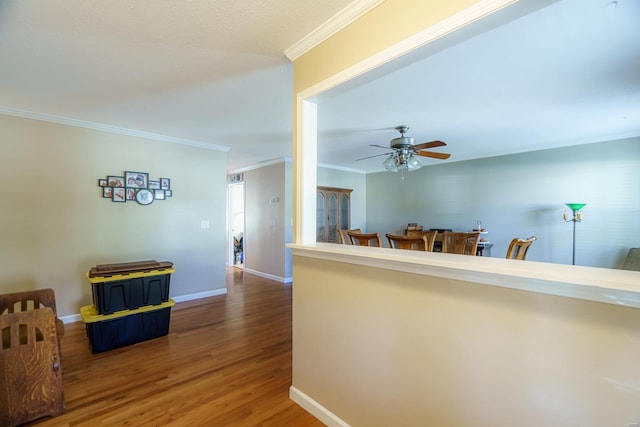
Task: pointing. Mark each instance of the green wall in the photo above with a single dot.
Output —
(522, 195)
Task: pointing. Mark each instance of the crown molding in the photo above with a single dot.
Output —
(260, 165)
(334, 24)
(454, 22)
(112, 129)
(341, 168)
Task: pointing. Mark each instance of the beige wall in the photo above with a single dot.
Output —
(55, 225)
(266, 227)
(378, 347)
(391, 22)
(381, 348)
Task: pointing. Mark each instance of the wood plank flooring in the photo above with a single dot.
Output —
(225, 362)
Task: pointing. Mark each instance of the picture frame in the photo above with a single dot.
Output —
(115, 181)
(119, 194)
(144, 196)
(136, 179)
(131, 194)
(134, 186)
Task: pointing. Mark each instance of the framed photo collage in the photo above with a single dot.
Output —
(135, 187)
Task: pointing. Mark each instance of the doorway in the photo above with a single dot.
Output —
(236, 225)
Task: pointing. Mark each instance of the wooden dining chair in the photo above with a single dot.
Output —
(364, 239)
(460, 242)
(518, 248)
(431, 236)
(404, 242)
(422, 242)
(344, 238)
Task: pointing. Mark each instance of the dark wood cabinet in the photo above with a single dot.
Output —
(333, 212)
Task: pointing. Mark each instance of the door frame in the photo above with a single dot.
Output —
(231, 212)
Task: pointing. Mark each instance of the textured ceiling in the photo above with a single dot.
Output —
(539, 74)
(201, 71)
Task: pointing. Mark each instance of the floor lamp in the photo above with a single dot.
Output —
(577, 217)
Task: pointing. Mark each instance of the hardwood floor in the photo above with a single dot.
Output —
(225, 362)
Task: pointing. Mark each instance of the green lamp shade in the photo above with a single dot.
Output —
(576, 206)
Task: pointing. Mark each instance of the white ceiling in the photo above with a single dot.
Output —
(213, 72)
(196, 71)
(567, 73)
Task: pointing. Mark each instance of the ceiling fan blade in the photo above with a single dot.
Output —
(441, 156)
(377, 155)
(431, 144)
(379, 146)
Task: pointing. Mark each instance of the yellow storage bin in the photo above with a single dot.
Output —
(109, 331)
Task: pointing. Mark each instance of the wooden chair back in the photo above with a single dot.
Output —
(518, 248)
(365, 239)
(422, 242)
(31, 300)
(431, 236)
(460, 243)
(31, 385)
(344, 238)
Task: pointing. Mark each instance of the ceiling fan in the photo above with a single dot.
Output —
(405, 151)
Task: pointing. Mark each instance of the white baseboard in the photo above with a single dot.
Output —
(182, 298)
(268, 276)
(71, 318)
(213, 293)
(315, 409)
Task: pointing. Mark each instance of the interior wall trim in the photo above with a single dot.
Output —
(448, 25)
(342, 168)
(315, 409)
(262, 165)
(112, 129)
(198, 295)
(269, 276)
(334, 24)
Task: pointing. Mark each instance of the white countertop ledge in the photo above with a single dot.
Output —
(610, 286)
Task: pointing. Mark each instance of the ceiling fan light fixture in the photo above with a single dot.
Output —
(390, 164)
(414, 163)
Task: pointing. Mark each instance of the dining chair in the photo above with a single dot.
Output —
(518, 248)
(422, 242)
(364, 239)
(404, 242)
(344, 238)
(462, 243)
(431, 236)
